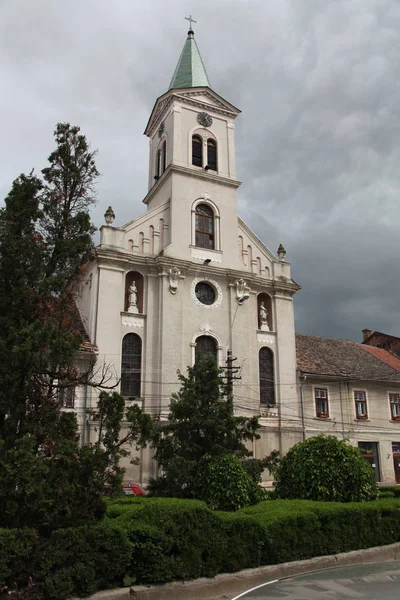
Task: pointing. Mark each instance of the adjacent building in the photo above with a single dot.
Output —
(352, 391)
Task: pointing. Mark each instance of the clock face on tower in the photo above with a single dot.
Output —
(204, 119)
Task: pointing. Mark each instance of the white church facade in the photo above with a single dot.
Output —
(189, 277)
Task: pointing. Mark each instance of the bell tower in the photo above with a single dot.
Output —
(192, 152)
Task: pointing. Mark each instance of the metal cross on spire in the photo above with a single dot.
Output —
(191, 20)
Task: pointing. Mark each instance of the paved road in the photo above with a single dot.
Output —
(379, 581)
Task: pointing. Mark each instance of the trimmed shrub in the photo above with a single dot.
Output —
(223, 483)
(393, 490)
(81, 560)
(324, 468)
(159, 540)
(173, 539)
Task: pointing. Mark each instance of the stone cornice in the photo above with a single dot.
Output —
(201, 174)
(111, 258)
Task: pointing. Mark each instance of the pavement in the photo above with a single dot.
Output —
(365, 581)
(228, 586)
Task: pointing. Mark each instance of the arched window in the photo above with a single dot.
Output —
(204, 226)
(197, 151)
(161, 160)
(158, 164)
(163, 156)
(131, 365)
(205, 346)
(212, 154)
(267, 378)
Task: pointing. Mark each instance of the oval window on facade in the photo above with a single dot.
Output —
(205, 293)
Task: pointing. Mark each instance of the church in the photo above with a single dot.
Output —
(188, 277)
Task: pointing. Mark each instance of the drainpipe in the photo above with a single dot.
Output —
(303, 425)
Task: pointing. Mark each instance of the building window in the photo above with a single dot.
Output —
(369, 451)
(161, 160)
(197, 151)
(205, 293)
(206, 346)
(131, 365)
(163, 156)
(204, 227)
(321, 403)
(396, 460)
(394, 400)
(158, 164)
(267, 379)
(212, 154)
(360, 399)
(66, 397)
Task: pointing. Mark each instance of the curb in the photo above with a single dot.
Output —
(228, 585)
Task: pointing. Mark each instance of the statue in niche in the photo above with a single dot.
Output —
(174, 274)
(132, 298)
(263, 316)
(242, 291)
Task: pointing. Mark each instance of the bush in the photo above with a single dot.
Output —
(15, 548)
(74, 561)
(324, 468)
(159, 540)
(173, 539)
(393, 490)
(223, 483)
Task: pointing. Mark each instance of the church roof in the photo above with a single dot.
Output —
(190, 70)
(341, 358)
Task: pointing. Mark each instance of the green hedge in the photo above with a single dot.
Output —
(155, 540)
(389, 491)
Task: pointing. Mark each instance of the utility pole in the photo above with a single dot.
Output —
(230, 375)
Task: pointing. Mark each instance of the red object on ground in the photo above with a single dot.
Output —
(132, 489)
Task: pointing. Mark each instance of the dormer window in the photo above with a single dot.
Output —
(212, 154)
(197, 151)
(204, 226)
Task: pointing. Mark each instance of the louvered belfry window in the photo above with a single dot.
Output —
(267, 378)
(212, 155)
(205, 346)
(197, 151)
(131, 366)
(204, 227)
(163, 156)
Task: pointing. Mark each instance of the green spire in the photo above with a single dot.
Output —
(190, 70)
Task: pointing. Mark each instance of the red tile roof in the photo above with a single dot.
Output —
(384, 355)
(341, 358)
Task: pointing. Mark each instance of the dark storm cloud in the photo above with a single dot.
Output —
(317, 143)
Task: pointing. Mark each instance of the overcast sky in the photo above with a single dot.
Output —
(318, 140)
